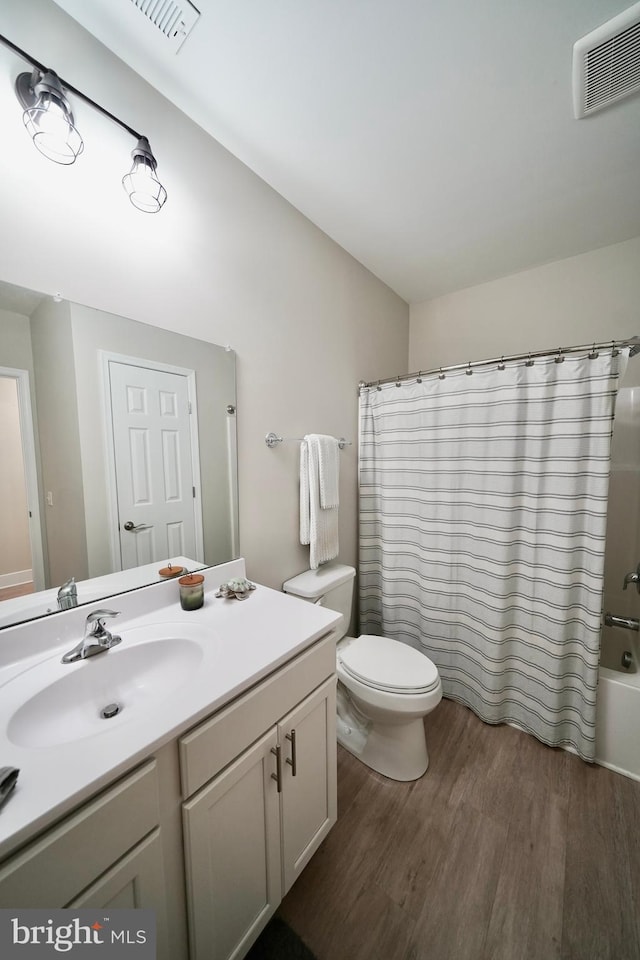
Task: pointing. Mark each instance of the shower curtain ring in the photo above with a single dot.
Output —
(419, 377)
(501, 365)
(469, 371)
(529, 362)
(594, 353)
(441, 375)
(398, 384)
(378, 387)
(559, 358)
(614, 351)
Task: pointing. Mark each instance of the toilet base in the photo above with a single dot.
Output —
(397, 751)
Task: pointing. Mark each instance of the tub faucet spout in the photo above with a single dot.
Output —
(628, 623)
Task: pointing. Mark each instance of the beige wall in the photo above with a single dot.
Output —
(59, 443)
(595, 296)
(227, 260)
(15, 555)
(16, 353)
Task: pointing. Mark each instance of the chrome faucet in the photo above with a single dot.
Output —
(68, 595)
(632, 578)
(97, 638)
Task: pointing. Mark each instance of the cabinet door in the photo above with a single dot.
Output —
(134, 882)
(307, 737)
(232, 847)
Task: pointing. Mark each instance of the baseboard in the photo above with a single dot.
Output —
(16, 578)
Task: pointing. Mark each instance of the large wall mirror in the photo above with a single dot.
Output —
(118, 448)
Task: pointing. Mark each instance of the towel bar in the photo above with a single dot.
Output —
(272, 440)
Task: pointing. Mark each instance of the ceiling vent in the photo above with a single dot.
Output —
(174, 20)
(606, 63)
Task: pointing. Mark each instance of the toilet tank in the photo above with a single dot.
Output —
(331, 585)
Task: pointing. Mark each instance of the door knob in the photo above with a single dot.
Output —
(130, 525)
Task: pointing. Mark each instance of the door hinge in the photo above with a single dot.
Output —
(194, 492)
(189, 406)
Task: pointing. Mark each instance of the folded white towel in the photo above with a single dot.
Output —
(329, 468)
(305, 512)
(318, 525)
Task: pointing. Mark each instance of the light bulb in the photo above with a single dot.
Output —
(141, 184)
(48, 118)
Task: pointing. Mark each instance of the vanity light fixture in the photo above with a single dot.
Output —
(49, 121)
(48, 117)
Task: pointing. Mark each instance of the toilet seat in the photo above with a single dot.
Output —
(387, 665)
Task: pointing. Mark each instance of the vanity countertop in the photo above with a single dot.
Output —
(238, 644)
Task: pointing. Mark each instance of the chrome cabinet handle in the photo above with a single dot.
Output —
(277, 776)
(291, 737)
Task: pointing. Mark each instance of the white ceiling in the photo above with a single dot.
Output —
(434, 140)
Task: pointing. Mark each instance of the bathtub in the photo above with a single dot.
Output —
(618, 704)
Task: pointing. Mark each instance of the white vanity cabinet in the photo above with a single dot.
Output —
(106, 854)
(256, 814)
(212, 825)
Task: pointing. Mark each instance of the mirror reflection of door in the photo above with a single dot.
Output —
(155, 463)
(21, 555)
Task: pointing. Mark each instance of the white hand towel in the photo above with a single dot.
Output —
(305, 511)
(329, 468)
(318, 525)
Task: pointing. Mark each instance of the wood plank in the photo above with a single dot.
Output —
(458, 899)
(526, 919)
(600, 916)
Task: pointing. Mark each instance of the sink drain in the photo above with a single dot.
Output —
(111, 710)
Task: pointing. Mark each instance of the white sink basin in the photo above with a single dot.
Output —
(55, 703)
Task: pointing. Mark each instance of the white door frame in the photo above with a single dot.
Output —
(107, 357)
(28, 441)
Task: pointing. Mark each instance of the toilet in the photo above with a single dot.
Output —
(385, 687)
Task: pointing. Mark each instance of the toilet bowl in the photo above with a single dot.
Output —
(385, 687)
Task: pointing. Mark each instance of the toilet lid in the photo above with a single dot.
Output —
(388, 665)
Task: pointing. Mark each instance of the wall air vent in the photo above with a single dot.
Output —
(174, 20)
(606, 63)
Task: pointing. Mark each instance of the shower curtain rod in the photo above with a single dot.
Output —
(633, 343)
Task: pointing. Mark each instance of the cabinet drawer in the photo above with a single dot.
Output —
(54, 869)
(215, 743)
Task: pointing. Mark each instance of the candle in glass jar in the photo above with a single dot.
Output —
(191, 591)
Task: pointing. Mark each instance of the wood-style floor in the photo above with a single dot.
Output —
(21, 590)
(505, 850)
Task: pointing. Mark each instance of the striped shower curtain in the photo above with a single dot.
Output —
(483, 507)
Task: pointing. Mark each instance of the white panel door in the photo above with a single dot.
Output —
(153, 464)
